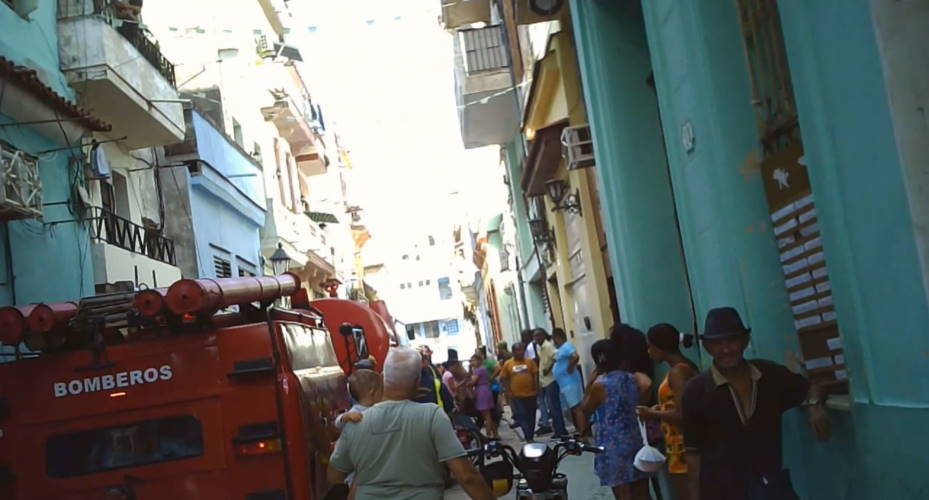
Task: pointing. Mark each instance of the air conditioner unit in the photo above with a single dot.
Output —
(577, 147)
(20, 184)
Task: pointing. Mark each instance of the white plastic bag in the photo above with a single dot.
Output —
(648, 459)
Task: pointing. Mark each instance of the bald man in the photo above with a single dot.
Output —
(399, 447)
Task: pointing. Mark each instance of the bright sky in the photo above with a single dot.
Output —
(383, 71)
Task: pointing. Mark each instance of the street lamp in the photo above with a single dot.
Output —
(558, 192)
(280, 261)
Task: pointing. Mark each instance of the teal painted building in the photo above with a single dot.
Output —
(44, 258)
(695, 190)
(530, 273)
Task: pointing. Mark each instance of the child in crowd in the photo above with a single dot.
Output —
(366, 388)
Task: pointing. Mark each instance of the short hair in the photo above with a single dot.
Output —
(559, 333)
(525, 336)
(402, 368)
(502, 345)
(362, 381)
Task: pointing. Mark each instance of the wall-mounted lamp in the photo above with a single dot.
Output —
(558, 192)
(540, 231)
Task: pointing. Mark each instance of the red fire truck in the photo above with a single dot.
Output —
(202, 390)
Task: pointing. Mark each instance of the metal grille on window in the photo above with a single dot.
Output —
(765, 54)
(484, 50)
(222, 267)
(789, 192)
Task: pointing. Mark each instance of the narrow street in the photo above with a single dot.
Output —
(582, 482)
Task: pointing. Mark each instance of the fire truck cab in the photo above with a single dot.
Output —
(203, 390)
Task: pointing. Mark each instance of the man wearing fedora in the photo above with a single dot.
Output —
(732, 417)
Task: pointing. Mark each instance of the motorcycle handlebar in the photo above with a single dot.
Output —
(592, 449)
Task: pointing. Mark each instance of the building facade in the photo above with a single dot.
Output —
(92, 214)
(766, 156)
(238, 65)
(217, 195)
(519, 88)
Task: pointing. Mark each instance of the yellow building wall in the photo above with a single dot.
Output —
(559, 98)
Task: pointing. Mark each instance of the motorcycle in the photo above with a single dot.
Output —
(537, 465)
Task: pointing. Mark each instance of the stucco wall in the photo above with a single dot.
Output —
(112, 264)
(50, 262)
(636, 199)
(867, 230)
(33, 42)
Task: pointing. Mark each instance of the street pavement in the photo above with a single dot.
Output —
(582, 482)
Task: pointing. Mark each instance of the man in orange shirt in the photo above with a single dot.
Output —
(520, 379)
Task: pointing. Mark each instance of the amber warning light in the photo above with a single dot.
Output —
(257, 448)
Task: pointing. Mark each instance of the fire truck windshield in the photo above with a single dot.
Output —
(139, 443)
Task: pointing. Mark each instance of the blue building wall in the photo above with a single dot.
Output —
(227, 213)
(701, 78)
(50, 261)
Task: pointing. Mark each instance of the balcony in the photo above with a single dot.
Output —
(487, 106)
(296, 126)
(119, 72)
(125, 251)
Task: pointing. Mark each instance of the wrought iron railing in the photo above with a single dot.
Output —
(149, 50)
(126, 24)
(108, 227)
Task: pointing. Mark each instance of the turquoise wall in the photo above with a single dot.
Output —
(33, 42)
(51, 262)
(878, 445)
(638, 211)
(869, 243)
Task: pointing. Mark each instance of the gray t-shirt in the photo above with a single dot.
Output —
(397, 451)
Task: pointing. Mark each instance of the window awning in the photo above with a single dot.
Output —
(543, 159)
(322, 217)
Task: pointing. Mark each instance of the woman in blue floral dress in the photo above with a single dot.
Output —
(613, 394)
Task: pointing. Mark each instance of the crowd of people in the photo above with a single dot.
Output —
(719, 429)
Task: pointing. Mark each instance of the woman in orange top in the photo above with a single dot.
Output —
(664, 347)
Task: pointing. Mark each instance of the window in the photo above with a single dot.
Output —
(451, 326)
(402, 286)
(431, 241)
(222, 268)
(405, 257)
(420, 283)
(409, 285)
(237, 132)
(246, 268)
(115, 196)
(308, 347)
(131, 445)
(445, 289)
(431, 329)
(428, 282)
(483, 49)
